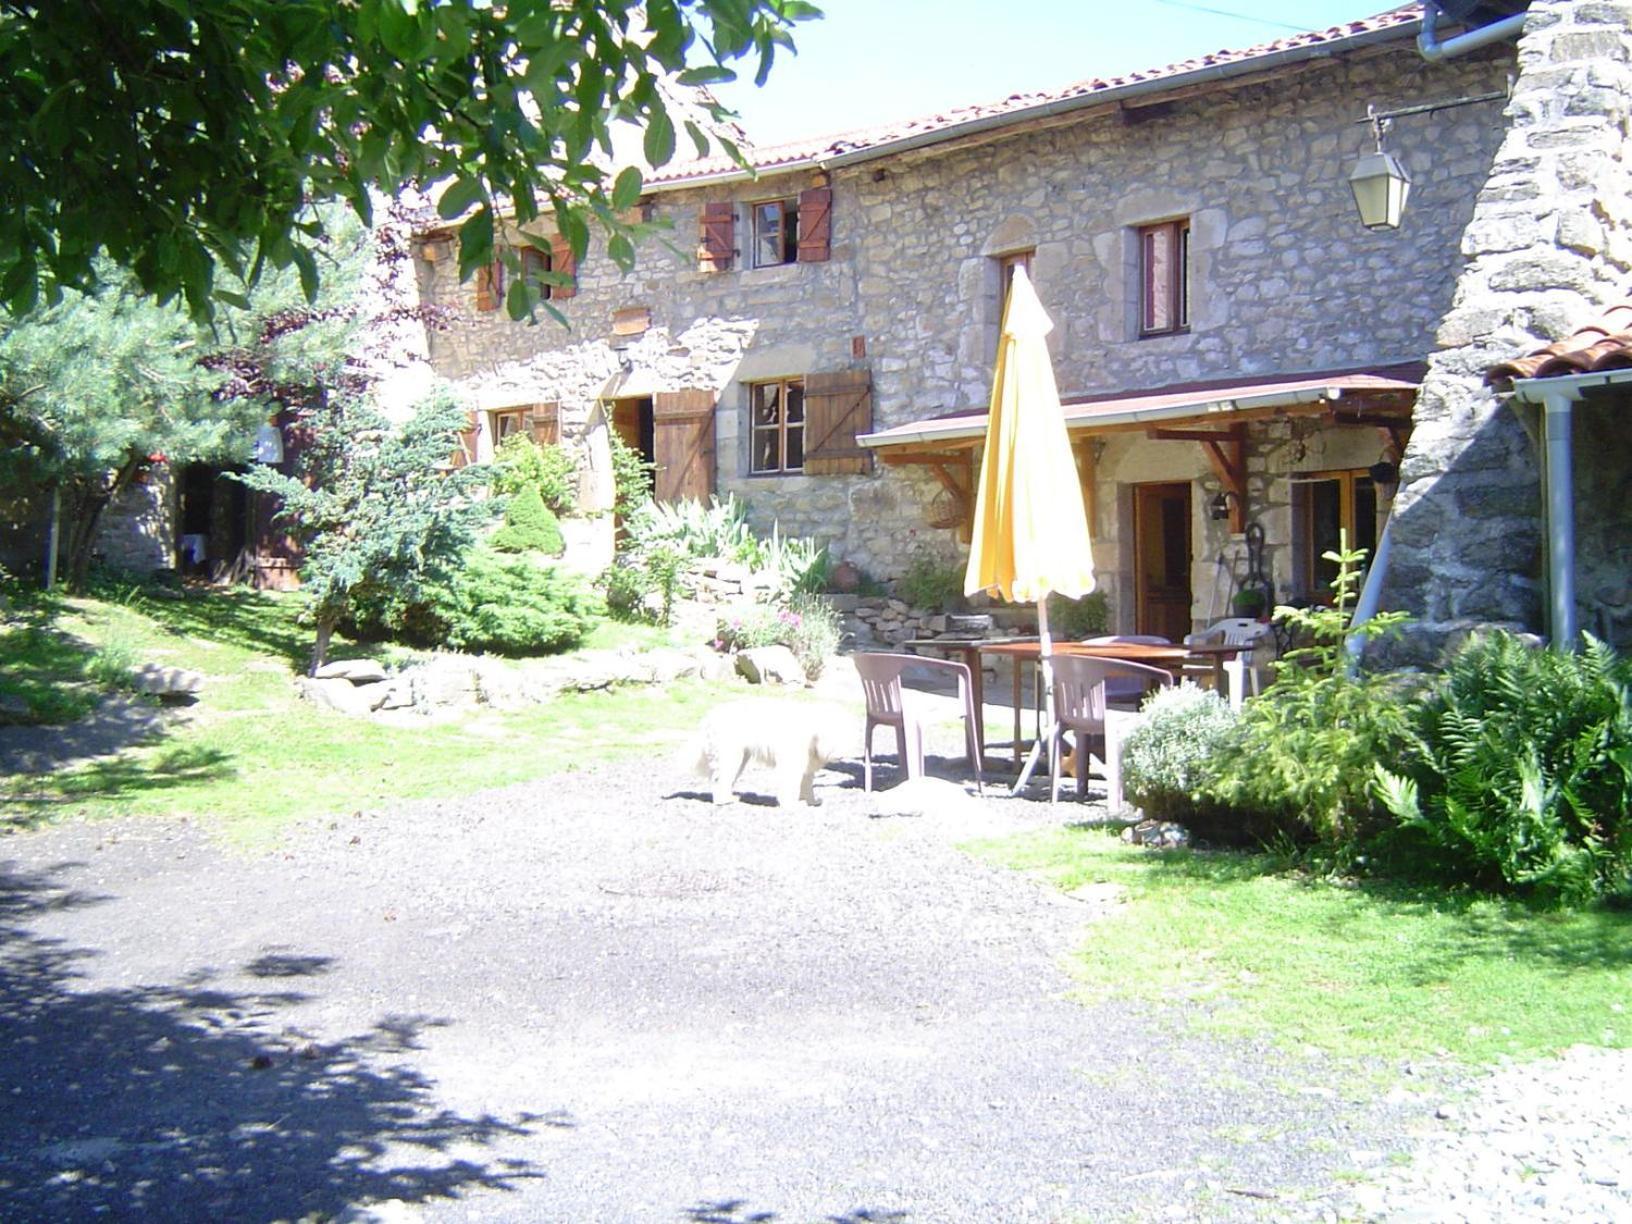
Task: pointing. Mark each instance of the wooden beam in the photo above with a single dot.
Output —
(903, 458)
(962, 491)
(1190, 435)
(1228, 459)
(1088, 475)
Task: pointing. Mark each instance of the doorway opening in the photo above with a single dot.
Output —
(633, 421)
(1161, 565)
(212, 524)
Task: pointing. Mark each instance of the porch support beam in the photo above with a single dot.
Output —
(1228, 458)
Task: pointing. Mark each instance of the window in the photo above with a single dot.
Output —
(1325, 504)
(776, 233)
(1164, 278)
(777, 410)
(489, 286)
(510, 421)
(1006, 266)
(534, 264)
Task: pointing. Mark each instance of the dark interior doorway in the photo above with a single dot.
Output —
(212, 524)
(633, 421)
(1161, 551)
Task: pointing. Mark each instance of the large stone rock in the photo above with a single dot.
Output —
(770, 665)
(167, 683)
(358, 671)
(339, 695)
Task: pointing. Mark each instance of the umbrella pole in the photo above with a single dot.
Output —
(1045, 659)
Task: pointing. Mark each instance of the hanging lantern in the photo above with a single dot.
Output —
(1380, 184)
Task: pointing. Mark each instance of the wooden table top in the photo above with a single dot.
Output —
(1136, 652)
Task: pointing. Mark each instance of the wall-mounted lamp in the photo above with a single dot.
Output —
(1380, 184)
(268, 444)
(1219, 508)
(1384, 473)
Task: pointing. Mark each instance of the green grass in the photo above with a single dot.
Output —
(252, 756)
(45, 673)
(1372, 972)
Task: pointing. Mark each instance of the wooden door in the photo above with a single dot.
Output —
(1161, 551)
(683, 444)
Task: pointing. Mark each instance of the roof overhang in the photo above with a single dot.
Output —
(1570, 386)
(1365, 394)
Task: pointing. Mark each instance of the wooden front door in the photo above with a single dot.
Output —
(1161, 551)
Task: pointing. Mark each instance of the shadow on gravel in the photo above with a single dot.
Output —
(184, 1101)
(738, 1211)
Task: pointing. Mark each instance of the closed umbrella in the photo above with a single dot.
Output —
(1031, 534)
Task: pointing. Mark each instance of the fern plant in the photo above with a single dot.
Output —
(1519, 774)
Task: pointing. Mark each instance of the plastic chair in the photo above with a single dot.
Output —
(1119, 690)
(1080, 686)
(1236, 631)
(888, 705)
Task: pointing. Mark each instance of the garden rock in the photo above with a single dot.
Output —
(667, 666)
(1157, 834)
(166, 683)
(770, 665)
(358, 671)
(342, 696)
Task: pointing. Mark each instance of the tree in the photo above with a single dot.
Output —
(186, 137)
(374, 506)
(97, 390)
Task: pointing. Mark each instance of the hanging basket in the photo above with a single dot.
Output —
(945, 510)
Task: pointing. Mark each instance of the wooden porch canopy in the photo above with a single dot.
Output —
(1214, 414)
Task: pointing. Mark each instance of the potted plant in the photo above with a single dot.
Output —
(1250, 602)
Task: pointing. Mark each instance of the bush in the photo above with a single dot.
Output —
(1519, 776)
(806, 625)
(1075, 619)
(931, 582)
(514, 607)
(631, 477)
(520, 464)
(1168, 756)
(529, 526)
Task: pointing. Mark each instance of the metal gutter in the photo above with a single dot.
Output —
(1192, 409)
(1432, 49)
(1557, 397)
(1061, 106)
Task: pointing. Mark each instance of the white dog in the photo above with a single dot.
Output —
(794, 739)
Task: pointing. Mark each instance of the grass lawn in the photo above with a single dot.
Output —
(1355, 971)
(253, 757)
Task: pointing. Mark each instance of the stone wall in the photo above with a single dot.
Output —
(137, 533)
(1284, 278)
(1549, 245)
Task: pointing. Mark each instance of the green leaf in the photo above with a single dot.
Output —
(697, 138)
(461, 194)
(626, 191)
(518, 299)
(232, 299)
(307, 267)
(706, 74)
(622, 251)
(659, 143)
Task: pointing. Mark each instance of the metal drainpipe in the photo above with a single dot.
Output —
(1560, 476)
(1371, 594)
(1433, 50)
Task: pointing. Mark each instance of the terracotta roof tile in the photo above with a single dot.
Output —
(1602, 345)
(771, 157)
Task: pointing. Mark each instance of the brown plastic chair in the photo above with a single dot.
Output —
(888, 705)
(1080, 683)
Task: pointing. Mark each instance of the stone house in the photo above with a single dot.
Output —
(1239, 355)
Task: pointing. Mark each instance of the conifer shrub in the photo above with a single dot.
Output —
(529, 526)
(513, 606)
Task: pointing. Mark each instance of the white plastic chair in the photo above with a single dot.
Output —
(888, 705)
(1121, 689)
(1234, 631)
(1081, 684)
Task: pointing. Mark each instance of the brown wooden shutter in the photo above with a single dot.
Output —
(466, 453)
(683, 444)
(815, 224)
(562, 260)
(838, 408)
(719, 238)
(489, 286)
(544, 423)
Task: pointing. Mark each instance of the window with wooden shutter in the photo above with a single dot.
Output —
(1164, 278)
(490, 286)
(466, 451)
(776, 426)
(563, 261)
(535, 264)
(508, 421)
(776, 233)
(815, 224)
(719, 236)
(683, 444)
(545, 424)
(838, 409)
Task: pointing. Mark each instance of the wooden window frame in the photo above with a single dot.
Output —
(788, 234)
(1303, 513)
(1006, 264)
(1177, 232)
(782, 427)
(535, 263)
(498, 416)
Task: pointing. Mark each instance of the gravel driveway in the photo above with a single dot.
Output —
(599, 998)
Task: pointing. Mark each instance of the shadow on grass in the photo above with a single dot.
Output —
(231, 616)
(123, 775)
(188, 1101)
(1485, 926)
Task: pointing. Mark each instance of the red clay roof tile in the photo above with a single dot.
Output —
(1602, 345)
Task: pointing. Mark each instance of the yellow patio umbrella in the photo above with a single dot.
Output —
(1031, 534)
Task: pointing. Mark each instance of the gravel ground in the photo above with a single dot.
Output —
(598, 998)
